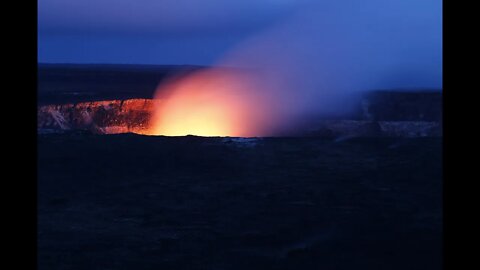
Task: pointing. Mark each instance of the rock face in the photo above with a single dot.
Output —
(379, 114)
(361, 128)
(104, 117)
(402, 106)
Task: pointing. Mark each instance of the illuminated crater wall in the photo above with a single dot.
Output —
(103, 117)
(390, 114)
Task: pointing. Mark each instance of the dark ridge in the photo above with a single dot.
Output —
(404, 105)
(114, 66)
(72, 83)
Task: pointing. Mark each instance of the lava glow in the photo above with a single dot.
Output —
(214, 102)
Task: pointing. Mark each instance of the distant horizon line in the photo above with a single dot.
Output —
(112, 64)
(416, 89)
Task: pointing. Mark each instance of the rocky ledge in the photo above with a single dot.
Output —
(380, 114)
(104, 117)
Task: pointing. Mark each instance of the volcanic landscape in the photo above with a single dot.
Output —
(360, 190)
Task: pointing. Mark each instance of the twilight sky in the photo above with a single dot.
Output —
(151, 31)
(203, 31)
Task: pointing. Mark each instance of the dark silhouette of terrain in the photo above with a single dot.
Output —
(72, 83)
(140, 202)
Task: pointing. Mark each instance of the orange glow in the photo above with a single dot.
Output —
(209, 103)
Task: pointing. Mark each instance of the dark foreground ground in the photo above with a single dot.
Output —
(137, 202)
